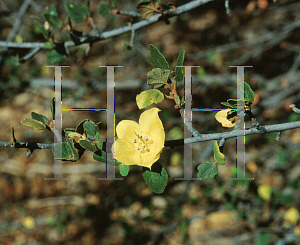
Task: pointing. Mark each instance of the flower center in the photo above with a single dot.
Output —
(142, 143)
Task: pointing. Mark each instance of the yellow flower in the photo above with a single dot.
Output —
(28, 222)
(140, 143)
(292, 215)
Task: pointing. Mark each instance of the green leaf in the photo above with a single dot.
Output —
(207, 170)
(124, 170)
(87, 145)
(104, 10)
(148, 9)
(53, 108)
(76, 11)
(178, 70)
(158, 85)
(219, 157)
(64, 148)
(79, 129)
(113, 3)
(74, 154)
(100, 156)
(43, 31)
(51, 16)
(157, 60)
(39, 117)
(51, 221)
(228, 105)
(13, 62)
(48, 45)
(156, 180)
(55, 57)
(99, 140)
(149, 97)
(34, 124)
(159, 76)
(91, 129)
(249, 94)
(264, 239)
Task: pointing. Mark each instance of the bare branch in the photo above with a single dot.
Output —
(16, 26)
(90, 38)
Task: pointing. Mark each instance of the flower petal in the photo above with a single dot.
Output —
(125, 153)
(127, 128)
(153, 127)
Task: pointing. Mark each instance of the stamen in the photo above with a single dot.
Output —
(139, 135)
(137, 148)
(133, 140)
(145, 137)
(143, 147)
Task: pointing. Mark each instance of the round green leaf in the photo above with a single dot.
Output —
(51, 16)
(156, 181)
(124, 170)
(207, 170)
(104, 10)
(34, 124)
(76, 11)
(64, 149)
(100, 156)
(159, 76)
(149, 97)
(219, 157)
(55, 57)
(91, 129)
(87, 145)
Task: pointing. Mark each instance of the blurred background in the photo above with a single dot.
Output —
(84, 210)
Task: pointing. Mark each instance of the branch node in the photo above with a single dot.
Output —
(294, 108)
(28, 153)
(228, 11)
(13, 140)
(278, 135)
(256, 124)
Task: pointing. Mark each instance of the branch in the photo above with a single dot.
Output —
(90, 38)
(173, 143)
(16, 26)
(235, 133)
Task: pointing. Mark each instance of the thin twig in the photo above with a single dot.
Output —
(16, 26)
(294, 108)
(293, 69)
(94, 37)
(130, 13)
(132, 38)
(31, 54)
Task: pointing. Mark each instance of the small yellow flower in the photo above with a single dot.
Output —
(28, 222)
(265, 192)
(140, 143)
(292, 215)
